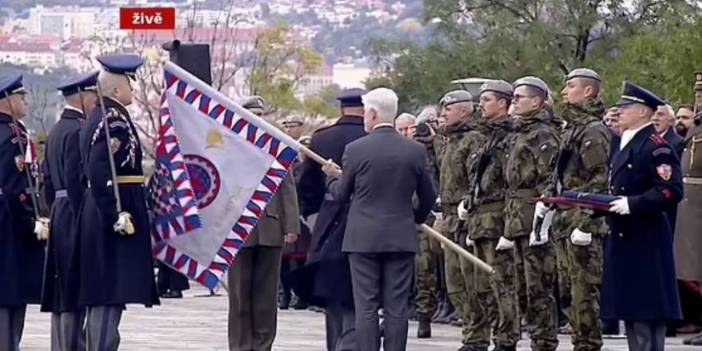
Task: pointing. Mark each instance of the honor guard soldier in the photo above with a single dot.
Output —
(526, 173)
(582, 165)
(327, 274)
(115, 253)
(65, 185)
(484, 213)
(638, 282)
(456, 145)
(21, 229)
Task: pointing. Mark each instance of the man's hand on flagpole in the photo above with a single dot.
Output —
(331, 169)
(290, 238)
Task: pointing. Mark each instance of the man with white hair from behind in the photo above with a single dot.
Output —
(381, 173)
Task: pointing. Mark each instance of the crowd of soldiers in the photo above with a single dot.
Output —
(492, 163)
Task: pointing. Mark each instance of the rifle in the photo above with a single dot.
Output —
(477, 172)
(557, 164)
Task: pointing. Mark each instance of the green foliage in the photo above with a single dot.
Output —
(657, 45)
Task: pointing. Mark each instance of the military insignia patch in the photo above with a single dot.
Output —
(664, 171)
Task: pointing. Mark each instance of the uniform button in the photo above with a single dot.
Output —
(629, 166)
(621, 188)
(621, 235)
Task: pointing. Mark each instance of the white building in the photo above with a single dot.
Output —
(65, 22)
(347, 75)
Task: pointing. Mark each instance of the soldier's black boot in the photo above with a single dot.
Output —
(473, 348)
(446, 312)
(505, 348)
(424, 329)
(284, 300)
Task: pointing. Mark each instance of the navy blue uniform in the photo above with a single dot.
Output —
(115, 269)
(332, 280)
(65, 185)
(638, 282)
(21, 254)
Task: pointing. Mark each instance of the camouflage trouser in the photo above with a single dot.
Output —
(585, 272)
(564, 278)
(426, 280)
(539, 276)
(494, 303)
(459, 272)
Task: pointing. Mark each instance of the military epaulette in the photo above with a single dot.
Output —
(657, 139)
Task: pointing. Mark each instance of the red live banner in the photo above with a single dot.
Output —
(147, 18)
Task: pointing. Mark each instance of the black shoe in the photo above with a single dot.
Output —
(694, 340)
(298, 304)
(424, 330)
(505, 348)
(172, 294)
(284, 300)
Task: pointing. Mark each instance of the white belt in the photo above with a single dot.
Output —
(61, 193)
(692, 180)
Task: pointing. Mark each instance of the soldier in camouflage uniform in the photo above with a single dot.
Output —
(484, 211)
(527, 173)
(583, 166)
(457, 141)
(427, 260)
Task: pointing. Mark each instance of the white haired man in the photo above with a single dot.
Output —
(664, 120)
(382, 172)
(405, 125)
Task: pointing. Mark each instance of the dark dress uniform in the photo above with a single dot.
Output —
(64, 188)
(116, 268)
(21, 254)
(326, 278)
(638, 282)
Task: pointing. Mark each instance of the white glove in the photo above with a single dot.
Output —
(504, 244)
(462, 212)
(124, 224)
(545, 229)
(620, 206)
(41, 228)
(540, 209)
(469, 242)
(580, 238)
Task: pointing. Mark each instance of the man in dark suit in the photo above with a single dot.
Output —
(638, 282)
(65, 185)
(326, 279)
(253, 278)
(381, 174)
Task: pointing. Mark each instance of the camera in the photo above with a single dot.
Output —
(422, 130)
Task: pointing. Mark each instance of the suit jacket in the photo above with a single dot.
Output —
(676, 142)
(281, 216)
(638, 279)
(381, 173)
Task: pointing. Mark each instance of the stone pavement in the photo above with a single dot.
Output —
(200, 323)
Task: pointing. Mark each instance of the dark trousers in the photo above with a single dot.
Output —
(287, 265)
(170, 280)
(102, 327)
(645, 335)
(381, 279)
(253, 288)
(340, 328)
(11, 326)
(67, 331)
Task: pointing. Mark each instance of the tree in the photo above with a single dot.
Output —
(507, 39)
